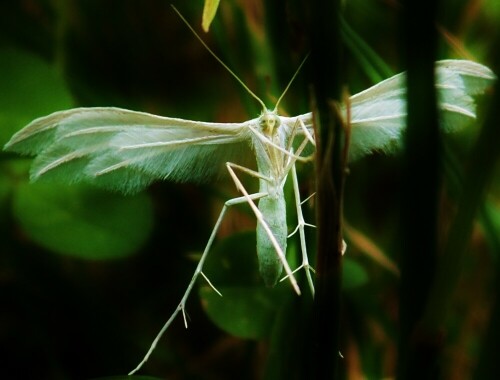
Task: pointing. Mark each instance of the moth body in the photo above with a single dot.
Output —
(271, 163)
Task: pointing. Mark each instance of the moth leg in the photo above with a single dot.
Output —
(260, 218)
(306, 132)
(293, 157)
(307, 136)
(300, 228)
(181, 307)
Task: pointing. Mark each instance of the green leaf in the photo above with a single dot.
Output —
(247, 308)
(284, 358)
(4, 190)
(83, 222)
(209, 11)
(245, 312)
(490, 222)
(354, 275)
(375, 67)
(233, 261)
(31, 88)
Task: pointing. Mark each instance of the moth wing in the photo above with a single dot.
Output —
(378, 114)
(127, 150)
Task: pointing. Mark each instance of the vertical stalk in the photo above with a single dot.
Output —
(326, 79)
(418, 346)
(484, 159)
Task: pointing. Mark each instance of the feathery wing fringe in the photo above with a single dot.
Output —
(378, 114)
(126, 150)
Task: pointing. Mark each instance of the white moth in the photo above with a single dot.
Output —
(127, 150)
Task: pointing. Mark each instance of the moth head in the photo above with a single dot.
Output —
(269, 123)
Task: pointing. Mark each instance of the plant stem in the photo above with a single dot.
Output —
(418, 347)
(326, 80)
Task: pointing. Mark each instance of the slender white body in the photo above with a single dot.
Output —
(271, 163)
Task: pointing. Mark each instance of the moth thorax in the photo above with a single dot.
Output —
(269, 123)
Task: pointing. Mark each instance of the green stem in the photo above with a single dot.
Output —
(484, 159)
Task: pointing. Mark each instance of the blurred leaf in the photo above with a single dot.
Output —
(491, 9)
(375, 67)
(368, 247)
(490, 222)
(30, 87)
(83, 222)
(354, 275)
(283, 358)
(247, 308)
(233, 261)
(245, 312)
(5, 188)
(209, 11)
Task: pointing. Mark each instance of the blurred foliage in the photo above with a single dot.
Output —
(88, 278)
(209, 12)
(82, 222)
(30, 87)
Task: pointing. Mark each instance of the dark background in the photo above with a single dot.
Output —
(70, 316)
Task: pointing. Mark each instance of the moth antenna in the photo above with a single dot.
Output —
(290, 82)
(218, 59)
